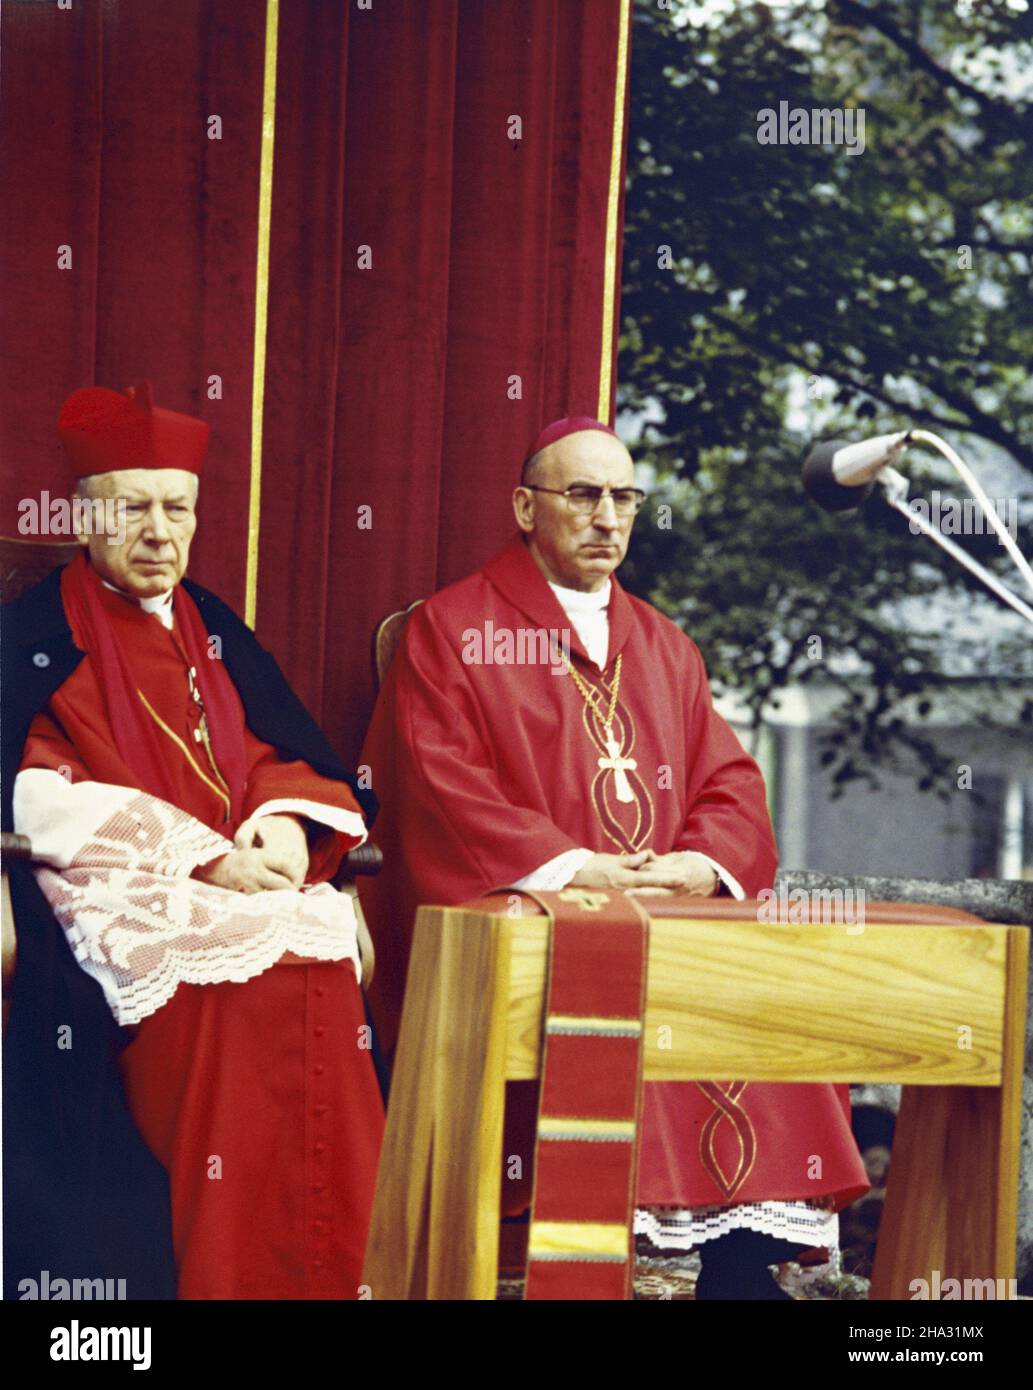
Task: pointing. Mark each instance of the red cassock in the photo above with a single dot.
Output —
(487, 768)
(254, 1095)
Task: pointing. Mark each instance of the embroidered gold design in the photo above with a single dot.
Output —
(619, 766)
(726, 1109)
(613, 762)
(629, 832)
(221, 792)
(586, 900)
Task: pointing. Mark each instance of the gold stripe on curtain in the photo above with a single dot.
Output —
(265, 201)
(613, 216)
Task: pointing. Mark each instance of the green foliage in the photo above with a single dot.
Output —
(816, 293)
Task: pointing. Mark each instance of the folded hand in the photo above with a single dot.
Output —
(282, 844)
(683, 871)
(242, 871)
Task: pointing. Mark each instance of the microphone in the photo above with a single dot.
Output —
(839, 476)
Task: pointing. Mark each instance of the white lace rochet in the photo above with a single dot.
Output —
(116, 872)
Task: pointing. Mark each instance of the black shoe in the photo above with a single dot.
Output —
(735, 1266)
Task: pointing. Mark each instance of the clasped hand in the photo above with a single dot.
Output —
(683, 871)
(268, 853)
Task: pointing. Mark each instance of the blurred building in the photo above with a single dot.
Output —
(982, 829)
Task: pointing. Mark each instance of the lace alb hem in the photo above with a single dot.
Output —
(673, 1228)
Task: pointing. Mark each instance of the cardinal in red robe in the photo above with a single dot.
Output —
(185, 817)
(540, 727)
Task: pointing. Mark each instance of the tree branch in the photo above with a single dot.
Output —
(859, 16)
(973, 421)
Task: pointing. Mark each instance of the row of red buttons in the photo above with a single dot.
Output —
(321, 1225)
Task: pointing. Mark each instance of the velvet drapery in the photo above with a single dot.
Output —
(443, 185)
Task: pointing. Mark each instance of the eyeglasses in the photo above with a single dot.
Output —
(584, 499)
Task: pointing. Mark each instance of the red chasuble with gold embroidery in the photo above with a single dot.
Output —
(488, 764)
(254, 1091)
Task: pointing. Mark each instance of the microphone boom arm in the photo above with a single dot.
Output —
(976, 488)
(895, 487)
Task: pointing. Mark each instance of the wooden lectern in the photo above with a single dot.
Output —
(930, 997)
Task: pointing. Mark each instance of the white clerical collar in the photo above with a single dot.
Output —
(161, 604)
(589, 616)
(578, 601)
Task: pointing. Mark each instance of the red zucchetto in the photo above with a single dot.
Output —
(559, 429)
(105, 431)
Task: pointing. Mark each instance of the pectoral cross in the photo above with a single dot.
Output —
(617, 765)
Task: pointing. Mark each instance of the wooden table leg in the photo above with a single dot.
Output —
(469, 1107)
(952, 1200)
(396, 1252)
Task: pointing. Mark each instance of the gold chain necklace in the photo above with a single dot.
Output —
(614, 762)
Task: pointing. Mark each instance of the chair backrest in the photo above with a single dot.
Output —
(24, 563)
(387, 638)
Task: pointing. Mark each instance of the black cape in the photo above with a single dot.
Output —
(84, 1198)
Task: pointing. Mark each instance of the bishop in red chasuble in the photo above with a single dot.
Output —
(186, 858)
(541, 727)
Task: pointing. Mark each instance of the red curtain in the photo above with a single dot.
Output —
(442, 174)
(104, 150)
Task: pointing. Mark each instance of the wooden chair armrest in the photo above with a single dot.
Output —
(366, 953)
(367, 860)
(15, 846)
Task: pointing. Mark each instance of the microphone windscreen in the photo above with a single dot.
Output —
(820, 481)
